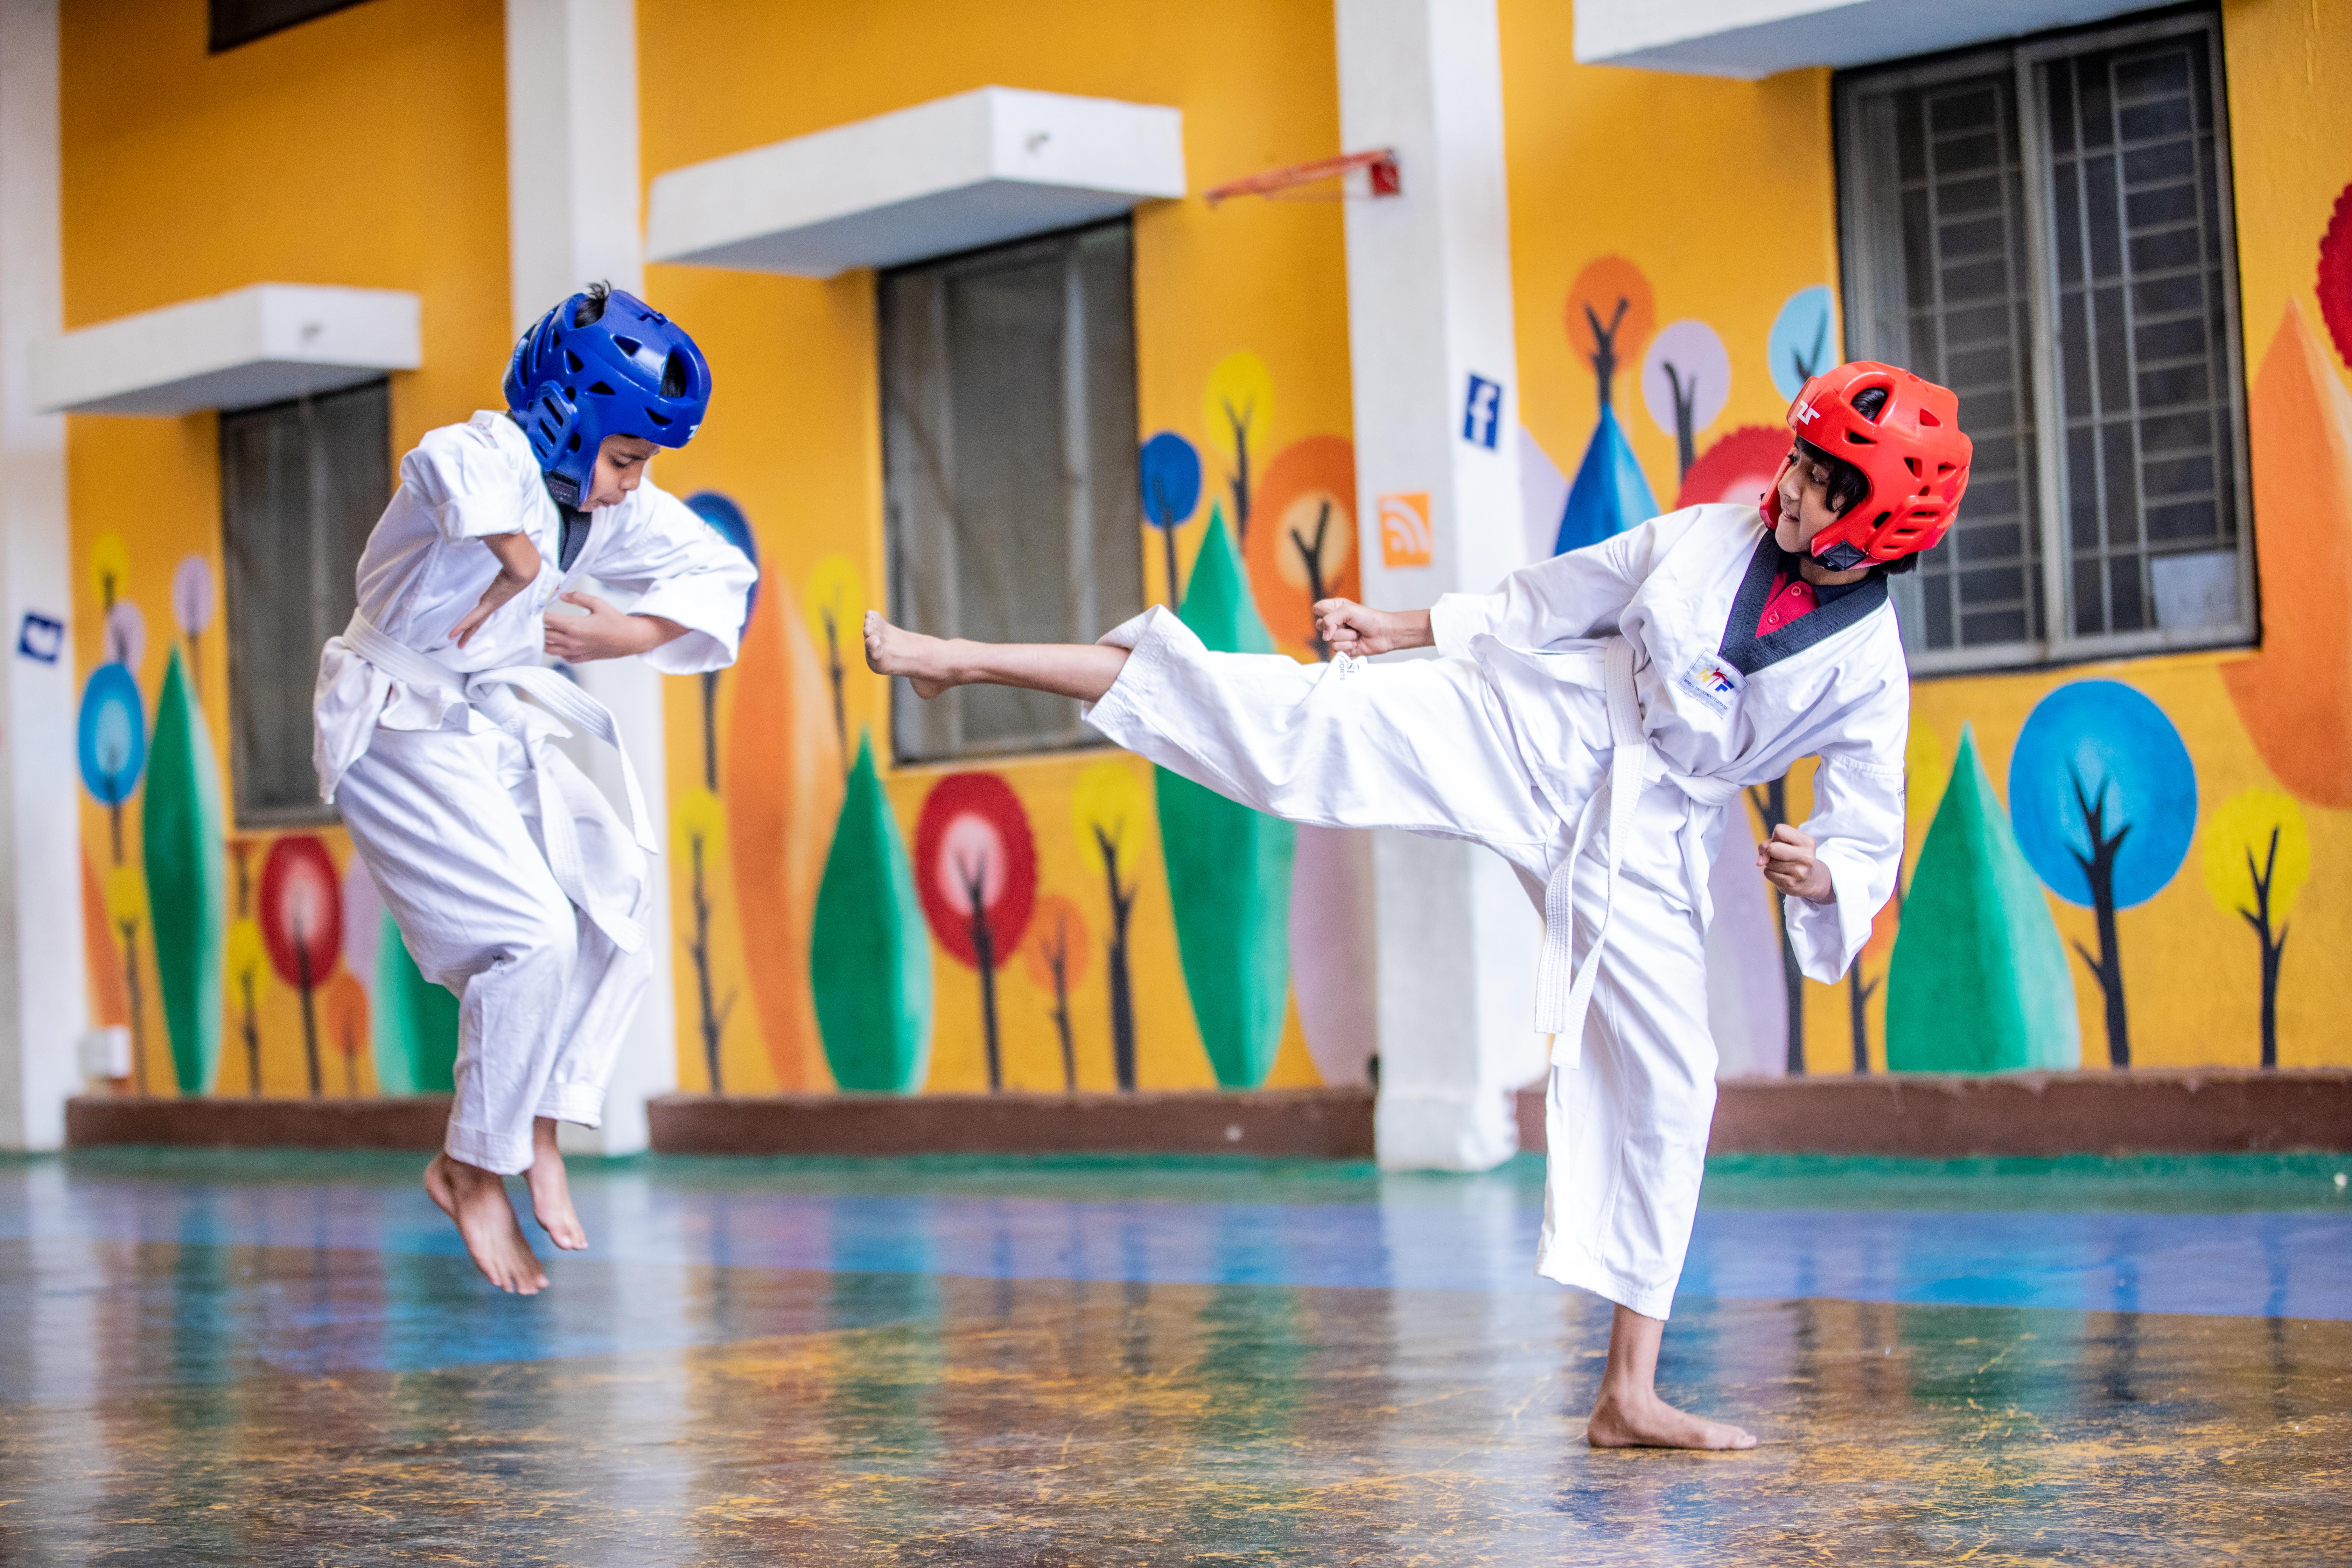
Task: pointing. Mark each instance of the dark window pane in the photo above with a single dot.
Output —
(302, 483)
(1009, 445)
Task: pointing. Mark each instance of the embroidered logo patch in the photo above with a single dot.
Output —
(1713, 682)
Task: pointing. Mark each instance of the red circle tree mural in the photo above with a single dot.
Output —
(1740, 468)
(976, 870)
(303, 926)
(2334, 280)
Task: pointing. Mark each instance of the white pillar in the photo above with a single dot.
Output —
(43, 1003)
(1429, 310)
(572, 216)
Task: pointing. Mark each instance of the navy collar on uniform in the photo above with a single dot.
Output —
(1748, 653)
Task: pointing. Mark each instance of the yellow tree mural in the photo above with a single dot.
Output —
(2257, 858)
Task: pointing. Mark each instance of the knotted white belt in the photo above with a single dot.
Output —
(1562, 999)
(565, 793)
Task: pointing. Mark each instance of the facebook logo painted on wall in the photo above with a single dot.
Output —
(1481, 412)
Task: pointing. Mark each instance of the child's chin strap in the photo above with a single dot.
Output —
(1634, 763)
(565, 793)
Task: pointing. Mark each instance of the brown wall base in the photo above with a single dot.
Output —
(1939, 1117)
(403, 1124)
(1314, 1123)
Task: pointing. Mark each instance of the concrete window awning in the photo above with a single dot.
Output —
(993, 164)
(1754, 38)
(250, 346)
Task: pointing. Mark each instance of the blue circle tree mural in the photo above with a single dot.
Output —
(2104, 797)
(112, 742)
(1171, 492)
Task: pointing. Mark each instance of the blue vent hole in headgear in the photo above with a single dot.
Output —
(573, 445)
(599, 389)
(655, 417)
(629, 346)
(574, 361)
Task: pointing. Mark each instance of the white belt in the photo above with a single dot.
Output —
(1634, 763)
(492, 693)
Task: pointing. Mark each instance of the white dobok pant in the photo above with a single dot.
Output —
(1428, 747)
(448, 823)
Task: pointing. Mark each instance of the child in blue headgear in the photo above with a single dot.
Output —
(514, 882)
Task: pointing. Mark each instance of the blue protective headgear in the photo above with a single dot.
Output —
(630, 372)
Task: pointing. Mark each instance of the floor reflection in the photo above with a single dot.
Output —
(283, 1360)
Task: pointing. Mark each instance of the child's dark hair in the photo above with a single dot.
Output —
(591, 311)
(1849, 484)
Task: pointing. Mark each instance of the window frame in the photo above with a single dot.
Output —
(309, 814)
(964, 752)
(1862, 261)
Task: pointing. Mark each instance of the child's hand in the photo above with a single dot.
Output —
(517, 560)
(1786, 861)
(1348, 628)
(605, 632)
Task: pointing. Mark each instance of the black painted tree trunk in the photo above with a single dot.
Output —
(1122, 987)
(1772, 806)
(2107, 963)
(2274, 942)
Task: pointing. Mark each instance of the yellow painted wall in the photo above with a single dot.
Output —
(1723, 194)
(366, 149)
(794, 437)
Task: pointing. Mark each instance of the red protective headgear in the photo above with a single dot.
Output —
(1912, 452)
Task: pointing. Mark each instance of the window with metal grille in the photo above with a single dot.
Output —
(301, 485)
(2045, 228)
(1009, 452)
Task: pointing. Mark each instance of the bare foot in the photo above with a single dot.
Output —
(477, 1200)
(1648, 1422)
(550, 1191)
(894, 650)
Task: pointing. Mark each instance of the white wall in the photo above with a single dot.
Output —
(1429, 304)
(571, 216)
(44, 1002)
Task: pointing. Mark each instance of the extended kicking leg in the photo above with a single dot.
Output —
(1083, 670)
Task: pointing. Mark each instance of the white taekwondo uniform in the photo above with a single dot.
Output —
(514, 882)
(1591, 723)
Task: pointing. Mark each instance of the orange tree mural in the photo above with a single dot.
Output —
(783, 781)
(1228, 866)
(2257, 858)
(1609, 314)
(869, 969)
(1056, 955)
(2104, 797)
(347, 1024)
(1305, 546)
(302, 925)
(1978, 981)
(1111, 810)
(1170, 481)
(976, 872)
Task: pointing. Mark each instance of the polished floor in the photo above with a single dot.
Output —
(285, 1359)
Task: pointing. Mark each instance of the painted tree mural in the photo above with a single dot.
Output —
(1803, 341)
(1228, 866)
(726, 519)
(1609, 315)
(835, 602)
(2334, 282)
(1305, 546)
(1685, 382)
(303, 926)
(112, 742)
(1237, 411)
(345, 1005)
(1977, 981)
(126, 912)
(2257, 858)
(1738, 468)
(181, 843)
(782, 781)
(194, 596)
(702, 830)
(1170, 477)
(1056, 955)
(1112, 817)
(2104, 797)
(414, 1022)
(248, 965)
(2295, 694)
(1772, 805)
(869, 968)
(976, 872)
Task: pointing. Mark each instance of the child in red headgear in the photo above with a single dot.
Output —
(1592, 722)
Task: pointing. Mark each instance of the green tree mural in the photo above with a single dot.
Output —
(869, 963)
